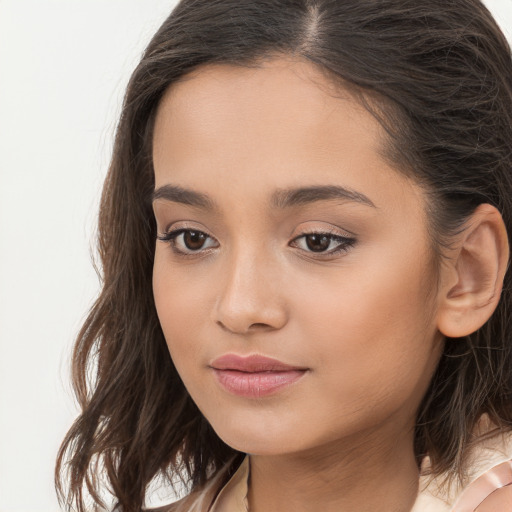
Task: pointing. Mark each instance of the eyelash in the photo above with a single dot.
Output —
(345, 243)
(170, 238)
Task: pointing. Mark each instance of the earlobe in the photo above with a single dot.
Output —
(472, 280)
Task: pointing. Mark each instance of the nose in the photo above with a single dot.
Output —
(251, 297)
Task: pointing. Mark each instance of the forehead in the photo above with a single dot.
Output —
(279, 124)
(265, 102)
(281, 85)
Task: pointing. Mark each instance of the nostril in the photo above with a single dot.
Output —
(259, 326)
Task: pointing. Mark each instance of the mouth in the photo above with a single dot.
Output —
(254, 376)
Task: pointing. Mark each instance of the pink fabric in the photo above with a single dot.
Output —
(473, 496)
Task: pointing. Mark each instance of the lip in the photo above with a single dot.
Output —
(254, 376)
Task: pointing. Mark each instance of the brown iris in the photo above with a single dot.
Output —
(317, 243)
(194, 240)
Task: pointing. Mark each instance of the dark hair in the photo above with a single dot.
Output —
(438, 75)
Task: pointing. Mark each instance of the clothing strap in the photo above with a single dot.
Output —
(493, 479)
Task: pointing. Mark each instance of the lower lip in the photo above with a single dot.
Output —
(256, 384)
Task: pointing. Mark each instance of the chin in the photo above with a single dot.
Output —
(261, 446)
(259, 438)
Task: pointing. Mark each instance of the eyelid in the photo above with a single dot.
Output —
(327, 228)
(344, 243)
(185, 224)
(174, 233)
(170, 235)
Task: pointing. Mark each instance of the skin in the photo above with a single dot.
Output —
(362, 321)
(500, 499)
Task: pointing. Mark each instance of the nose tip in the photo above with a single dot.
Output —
(240, 318)
(251, 302)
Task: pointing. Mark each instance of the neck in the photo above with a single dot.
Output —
(359, 476)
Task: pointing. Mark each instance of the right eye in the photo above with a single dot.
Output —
(188, 241)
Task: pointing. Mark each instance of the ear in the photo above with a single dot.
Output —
(472, 276)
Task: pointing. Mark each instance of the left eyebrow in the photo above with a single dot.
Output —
(286, 198)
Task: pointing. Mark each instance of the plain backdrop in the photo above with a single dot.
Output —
(63, 68)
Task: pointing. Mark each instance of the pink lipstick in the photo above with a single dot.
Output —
(254, 376)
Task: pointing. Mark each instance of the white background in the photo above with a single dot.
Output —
(63, 68)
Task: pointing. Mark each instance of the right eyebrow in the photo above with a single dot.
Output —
(181, 195)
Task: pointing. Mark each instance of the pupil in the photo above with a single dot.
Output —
(194, 239)
(317, 243)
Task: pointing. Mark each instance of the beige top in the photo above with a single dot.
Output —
(490, 470)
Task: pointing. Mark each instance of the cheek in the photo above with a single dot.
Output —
(372, 328)
(180, 307)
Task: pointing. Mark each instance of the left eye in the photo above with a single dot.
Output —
(323, 243)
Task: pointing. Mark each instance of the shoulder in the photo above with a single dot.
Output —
(490, 492)
(199, 500)
(166, 508)
(172, 507)
(500, 499)
(186, 504)
(487, 485)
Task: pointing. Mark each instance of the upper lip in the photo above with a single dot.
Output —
(252, 363)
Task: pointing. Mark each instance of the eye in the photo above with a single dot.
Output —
(323, 243)
(188, 241)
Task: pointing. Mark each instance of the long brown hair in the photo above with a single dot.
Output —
(438, 75)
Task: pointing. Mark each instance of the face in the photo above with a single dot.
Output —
(293, 273)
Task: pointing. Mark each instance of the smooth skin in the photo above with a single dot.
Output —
(362, 304)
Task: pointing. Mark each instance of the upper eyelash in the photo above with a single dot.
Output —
(170, 236)
(345, 241)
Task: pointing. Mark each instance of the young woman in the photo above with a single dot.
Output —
(304, 237)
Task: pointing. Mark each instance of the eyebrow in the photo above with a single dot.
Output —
(182, 195)
(280, 199)
(285, 198)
